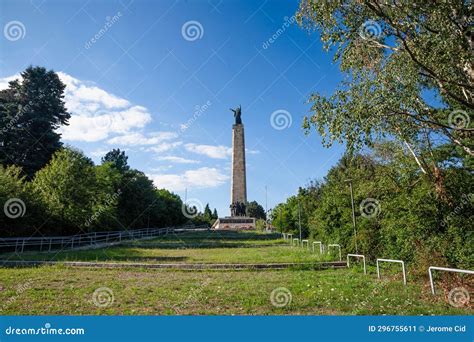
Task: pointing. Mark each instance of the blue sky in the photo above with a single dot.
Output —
(157, 79)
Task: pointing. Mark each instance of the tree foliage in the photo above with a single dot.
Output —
(118, 159)
(409, 76)
(397, 212)
(255, 210)
(31, 111)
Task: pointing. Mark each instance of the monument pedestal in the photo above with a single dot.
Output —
(234, 223)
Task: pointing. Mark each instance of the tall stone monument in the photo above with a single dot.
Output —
(238, 193)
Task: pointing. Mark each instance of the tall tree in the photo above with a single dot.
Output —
(138, 204)
(68, 188)
(409, 75)
(31, 111)
(255, 210)
(118, 159)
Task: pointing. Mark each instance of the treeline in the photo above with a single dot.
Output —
(49, 189)
(406, 97)
(399, 213)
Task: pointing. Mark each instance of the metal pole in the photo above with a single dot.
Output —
(299, 218)
(281, 227)
(266, 209)
(353, 214)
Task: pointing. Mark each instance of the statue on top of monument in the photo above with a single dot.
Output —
(237, 113)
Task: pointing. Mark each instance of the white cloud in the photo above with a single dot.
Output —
(4, 81)
(211, 151)
(140, 139)
(251, 151)
(99, 153)
(177, 160)
(79, 94)
(165, 147)
(95, 113)
(103, 123)
(203, 177)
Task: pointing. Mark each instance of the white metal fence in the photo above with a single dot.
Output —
(48, 243)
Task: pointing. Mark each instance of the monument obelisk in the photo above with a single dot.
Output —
(238, 196)
(238, 218)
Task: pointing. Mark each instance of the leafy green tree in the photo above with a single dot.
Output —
(20, 210)
(398, 213)
(255, 210)
(208, 214)
(108, 180)
(138, 204)
(260, 224)
(118, 159)
(170, 213)
(214, 214)
(68, 188)
(409, 76)
(31, 111)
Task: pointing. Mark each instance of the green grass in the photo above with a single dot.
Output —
(202, 247)
(55, 290)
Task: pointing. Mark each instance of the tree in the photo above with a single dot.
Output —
(108, 181)
(397, 212)
(207, 213)
(214, 214)
(68, 188)
(255, 210)
(170, 213)
(20, 211)
(138, 205)
(118, 159)
(31, 111)
(409, 76)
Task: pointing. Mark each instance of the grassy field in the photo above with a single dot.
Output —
(200, 247)
(51, 290)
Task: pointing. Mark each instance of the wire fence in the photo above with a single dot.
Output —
(48, 243)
